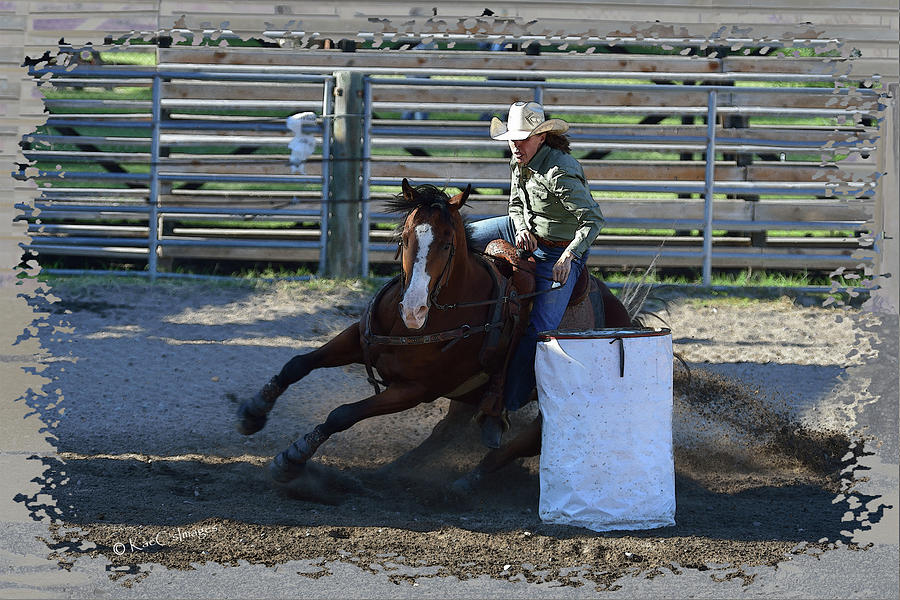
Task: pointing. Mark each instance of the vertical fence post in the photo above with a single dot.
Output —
(342, 247)
(327, 114)
(153, 217)
(887, 213)
(366, 172)
(709, 185)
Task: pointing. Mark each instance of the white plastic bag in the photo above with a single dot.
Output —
(606, 455)
(302, 144)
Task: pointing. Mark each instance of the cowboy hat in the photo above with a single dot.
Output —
(525, 120)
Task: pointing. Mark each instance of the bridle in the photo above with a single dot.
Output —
(442, 278)
(502, 294)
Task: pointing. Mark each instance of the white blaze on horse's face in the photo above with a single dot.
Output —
(414, 304)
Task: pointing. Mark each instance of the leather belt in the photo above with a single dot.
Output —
(552, 243)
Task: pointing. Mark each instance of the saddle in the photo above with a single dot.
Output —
(510, 264)
(513, 277)
(581, 289)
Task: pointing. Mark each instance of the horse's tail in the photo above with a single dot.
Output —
(634, 296)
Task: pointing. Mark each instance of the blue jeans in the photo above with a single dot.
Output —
(546, 310)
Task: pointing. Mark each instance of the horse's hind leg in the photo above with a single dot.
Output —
(527, 443)
(615, 313)
(290, 462)
(341, 350)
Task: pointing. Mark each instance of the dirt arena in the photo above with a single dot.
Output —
(150, 471)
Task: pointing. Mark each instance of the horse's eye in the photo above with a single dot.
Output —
(446, 246)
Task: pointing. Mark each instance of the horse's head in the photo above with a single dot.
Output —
(432, 235)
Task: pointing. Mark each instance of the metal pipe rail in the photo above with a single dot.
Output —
(693, 257)
(585, 143)
(74, 240)
(619, 87)
(96, 230)
(179, 139)
(162, 131)
(41, 245)
(212, 73)
(171, 242)
(848, 138)
(50, 210)
(465, 137)
(161, 173)
(526, 74)
(578, 142)
(679, 187)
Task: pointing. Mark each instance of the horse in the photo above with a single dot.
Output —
(431, 332)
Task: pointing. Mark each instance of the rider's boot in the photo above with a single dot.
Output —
(492, 428)
(252, 413)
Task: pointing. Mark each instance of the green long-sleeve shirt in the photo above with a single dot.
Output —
(549, 197)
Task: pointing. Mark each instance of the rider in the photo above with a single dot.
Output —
(553, 215)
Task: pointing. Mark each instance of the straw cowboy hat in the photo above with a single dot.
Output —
(525, 120)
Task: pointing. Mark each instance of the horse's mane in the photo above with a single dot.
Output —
(425, 196)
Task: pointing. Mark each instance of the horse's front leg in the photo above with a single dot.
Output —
(343, 349)
(397, 397)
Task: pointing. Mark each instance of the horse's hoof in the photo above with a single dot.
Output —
(284, 470)
(249, 423)
(252, 413)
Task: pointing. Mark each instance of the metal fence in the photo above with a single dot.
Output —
(708, 145)
(452, 155)
(110, 203)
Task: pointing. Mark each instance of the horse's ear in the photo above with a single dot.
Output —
(408, 193)
(459, 200)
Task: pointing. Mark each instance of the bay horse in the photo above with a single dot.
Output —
(424, 334)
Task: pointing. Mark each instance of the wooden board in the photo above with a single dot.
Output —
(666, 96)
(240, 90)
(597, 64)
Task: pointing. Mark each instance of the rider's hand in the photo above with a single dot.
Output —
(525, 239)
(562, 267)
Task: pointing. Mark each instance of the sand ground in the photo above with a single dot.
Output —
(144, 381)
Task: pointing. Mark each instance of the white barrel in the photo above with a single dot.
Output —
(606, 455)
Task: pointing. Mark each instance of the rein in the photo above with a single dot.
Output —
(511, 298)
(432, 296)
(503, 295)
(452, 336)
(445, 272)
